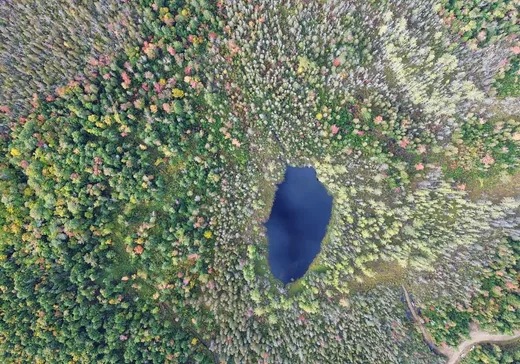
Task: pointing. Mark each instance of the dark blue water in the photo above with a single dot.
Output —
(298, 222)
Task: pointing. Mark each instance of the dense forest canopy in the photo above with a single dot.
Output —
(141, 143)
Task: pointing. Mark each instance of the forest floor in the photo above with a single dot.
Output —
(477, 336)
(496, 189)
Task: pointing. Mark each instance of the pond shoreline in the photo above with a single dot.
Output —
(297, 223)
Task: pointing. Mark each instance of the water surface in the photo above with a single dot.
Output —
(297, 224)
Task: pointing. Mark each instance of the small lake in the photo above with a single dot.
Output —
(298, 223)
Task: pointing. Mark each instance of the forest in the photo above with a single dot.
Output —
(142, 143)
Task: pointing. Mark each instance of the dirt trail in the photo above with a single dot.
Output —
(446, 351)
(481, 337)
(454, 354)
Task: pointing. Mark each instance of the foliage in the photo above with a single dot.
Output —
(481, 22)
(109, 196)
(495, 307)
(492, 354)
(134, 190)
(509, 82)
(48, 43)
